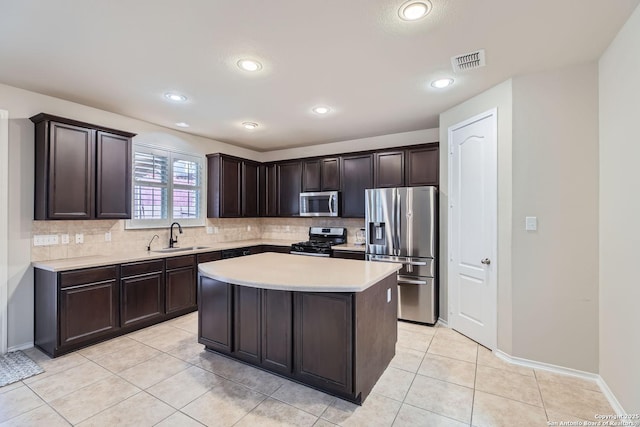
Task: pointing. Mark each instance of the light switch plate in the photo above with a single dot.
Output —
(107, 236)
(65, 239)
(531, 223)
(209, 230)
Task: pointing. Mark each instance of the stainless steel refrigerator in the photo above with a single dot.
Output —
(401, 227)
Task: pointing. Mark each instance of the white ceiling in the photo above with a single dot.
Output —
(356, 56)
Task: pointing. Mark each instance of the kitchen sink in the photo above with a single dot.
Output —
(171, 250)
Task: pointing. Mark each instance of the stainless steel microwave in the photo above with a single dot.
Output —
(322, 203)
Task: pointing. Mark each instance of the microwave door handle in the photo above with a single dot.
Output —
(331, 204)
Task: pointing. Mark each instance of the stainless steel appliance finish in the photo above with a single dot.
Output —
(322, 203)
(320, 241)
(401, 226)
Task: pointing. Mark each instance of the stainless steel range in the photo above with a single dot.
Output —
(320, 241)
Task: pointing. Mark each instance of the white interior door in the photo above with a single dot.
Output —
(473, 191)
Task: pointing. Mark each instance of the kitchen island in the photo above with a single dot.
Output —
(324, 322)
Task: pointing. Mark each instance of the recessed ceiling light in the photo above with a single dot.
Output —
(414, 10)
(249, 65)
(441, 83)
(249, 125)
(321, 109)
(175, 97)
(182, 125)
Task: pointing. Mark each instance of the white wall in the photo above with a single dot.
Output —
(21, 105)
(497, 97)
(555, 178)
(619, 68)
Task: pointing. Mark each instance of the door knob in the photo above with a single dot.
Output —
(486, 261)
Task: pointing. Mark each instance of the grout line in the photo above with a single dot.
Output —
(546, 414)
(475, 380)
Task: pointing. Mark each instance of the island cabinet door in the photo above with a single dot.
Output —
(246, 310)
(277, 330)
(214, 314)
(323, 336)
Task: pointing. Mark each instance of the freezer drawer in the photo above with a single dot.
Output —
(417, 299)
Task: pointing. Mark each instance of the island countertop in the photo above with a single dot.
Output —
(298, 273)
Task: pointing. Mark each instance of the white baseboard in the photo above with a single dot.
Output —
(442, 322)
(21, 346)
(613, 401)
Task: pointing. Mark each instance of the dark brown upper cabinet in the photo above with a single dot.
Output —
(330, 174)
(357, 176)
(389, 169)
(422, 166)
(113, 176)
(82, 171)
(232, 187)
(311, 175)
(250, 188)
(289, 176)
(321, 174)
(268, 190)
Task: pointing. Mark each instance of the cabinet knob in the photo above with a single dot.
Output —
(486, 261)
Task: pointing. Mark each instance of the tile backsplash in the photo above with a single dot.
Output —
(122, 240)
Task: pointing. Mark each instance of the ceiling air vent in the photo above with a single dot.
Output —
(468, 61)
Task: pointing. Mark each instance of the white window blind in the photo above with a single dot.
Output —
(167, 187)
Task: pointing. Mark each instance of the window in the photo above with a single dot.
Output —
(167, 187)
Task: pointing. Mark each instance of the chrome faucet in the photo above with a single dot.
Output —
(171, 239)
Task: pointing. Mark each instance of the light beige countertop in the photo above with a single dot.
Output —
(288, 272)
(133, 256)
(348, 247)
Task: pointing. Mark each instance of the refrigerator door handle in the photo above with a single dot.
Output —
(411, 281)
(386, 258)
(396, 237)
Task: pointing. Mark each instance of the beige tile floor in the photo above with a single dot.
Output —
(161, 376)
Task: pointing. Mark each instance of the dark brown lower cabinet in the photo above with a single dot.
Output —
(337, 342)
(359, 255)
(88, 311)
(75, 308)
(180, 285)
(214, 314)
(142, 290)
(323, 337)
(246, 318)
(277, 331)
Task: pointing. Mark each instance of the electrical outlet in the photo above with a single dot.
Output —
(45, 239)
(79, 238)
(209, 230)
(248, 228)
(65, 239)
(107, 236)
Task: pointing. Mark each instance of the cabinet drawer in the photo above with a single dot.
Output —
(89, 275)
(144, 267)
(209, 256)
(181, 261)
